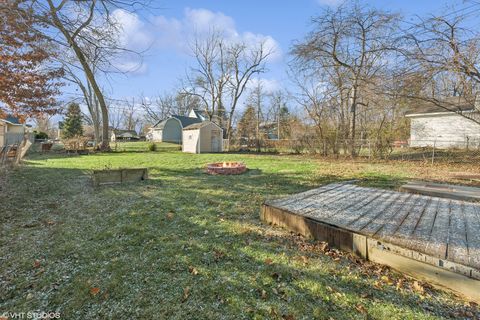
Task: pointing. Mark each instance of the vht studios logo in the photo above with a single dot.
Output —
(29, 315)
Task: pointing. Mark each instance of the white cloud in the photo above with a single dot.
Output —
(178, 33)
(134, 36)
(164, 32)
(134, 32)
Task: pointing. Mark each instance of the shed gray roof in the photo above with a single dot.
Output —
(199, 125)
(449, 104)
(185, 121)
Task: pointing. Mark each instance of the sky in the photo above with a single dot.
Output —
(165, 30)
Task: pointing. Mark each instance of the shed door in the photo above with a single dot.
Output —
(215, 140)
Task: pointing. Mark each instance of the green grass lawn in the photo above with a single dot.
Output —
(186, 245)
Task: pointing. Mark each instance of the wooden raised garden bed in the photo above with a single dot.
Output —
(113, 176)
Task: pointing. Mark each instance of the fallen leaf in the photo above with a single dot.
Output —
(170, 215)
(268, 261)
(186, 294)
(387, 280)
(418, 287)
(94, 291)
(323, 246)
(263, 294)
(218, 254)
(399, 284)
(36, 263)
(193, 270)
(288, 317)
(360, 308)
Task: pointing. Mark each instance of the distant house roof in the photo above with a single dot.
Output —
(450, 104)
(120, 132)
(12, 120)
(185, 121)
(200, 114)
(199, 125)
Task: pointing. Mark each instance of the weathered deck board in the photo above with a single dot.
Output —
(432, 238)
(457, 246)
(442, 228)
(437, 244)
(472, 220)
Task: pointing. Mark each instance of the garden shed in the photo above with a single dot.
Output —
(170, 129)
(202, 137)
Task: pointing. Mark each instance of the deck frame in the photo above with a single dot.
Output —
(464, 280)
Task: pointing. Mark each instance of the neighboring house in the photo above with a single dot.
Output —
(202, 137)
(170, 129)
(199, 114)
(431, 125)
(11, 131)
(123, 135)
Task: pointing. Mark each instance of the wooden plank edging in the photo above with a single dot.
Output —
(445, 274)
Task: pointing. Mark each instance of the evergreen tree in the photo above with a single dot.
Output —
(247, 125)
(72, 126)
(284, 123)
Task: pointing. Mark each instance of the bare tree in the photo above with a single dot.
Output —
(78, 26)
(350, 40)
(130, 115)
(208, 79)
(222, 73)
(245, 63)
(445, 51)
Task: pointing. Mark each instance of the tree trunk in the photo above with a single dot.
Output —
(105, 145)
(353, 114)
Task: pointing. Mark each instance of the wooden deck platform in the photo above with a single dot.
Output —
(431, 238)
(443, 190)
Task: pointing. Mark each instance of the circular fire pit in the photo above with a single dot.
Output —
(226, 168)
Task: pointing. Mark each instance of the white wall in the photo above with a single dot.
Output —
(206, 134)
(190, 141)
(449, 130)
(2, 134)
(156, 134)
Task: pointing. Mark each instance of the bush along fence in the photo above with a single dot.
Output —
(467, 150)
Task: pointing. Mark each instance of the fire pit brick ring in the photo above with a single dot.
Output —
(226, 168)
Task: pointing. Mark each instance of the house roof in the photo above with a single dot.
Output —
(12, 120)
(200, 113)
(120, 132)
(185, 121)
(199, 125)
(451, 104)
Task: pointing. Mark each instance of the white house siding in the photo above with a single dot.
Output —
(191, 141)
(13, 133)
(2, 134)
(443, 131)
(156, 134)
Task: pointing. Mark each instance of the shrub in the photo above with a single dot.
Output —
(152, 146)
(40, 135)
